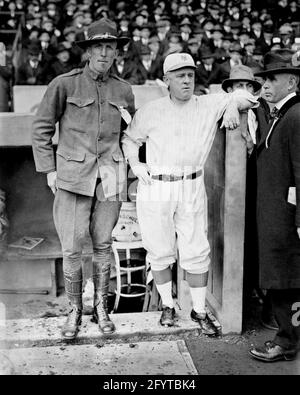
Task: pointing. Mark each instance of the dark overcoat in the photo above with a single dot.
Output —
(278, 169)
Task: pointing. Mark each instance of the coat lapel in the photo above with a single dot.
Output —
(273, 126)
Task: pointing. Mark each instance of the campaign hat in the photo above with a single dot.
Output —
(103, 30)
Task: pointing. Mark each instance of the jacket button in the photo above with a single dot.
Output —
(102, 121)
(68, 157)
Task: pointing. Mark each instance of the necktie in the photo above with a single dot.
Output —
(274, 114)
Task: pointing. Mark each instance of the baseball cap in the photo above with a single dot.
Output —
(178, 61)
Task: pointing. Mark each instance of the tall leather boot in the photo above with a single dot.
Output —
(73, 286)
(101, 283)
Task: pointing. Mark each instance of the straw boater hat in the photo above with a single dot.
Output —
(280, 62)
(103, 30)
(241, 73)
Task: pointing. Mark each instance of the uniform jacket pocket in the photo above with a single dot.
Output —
(80, 102)
(71, 156)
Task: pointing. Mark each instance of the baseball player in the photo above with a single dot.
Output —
(179, 131)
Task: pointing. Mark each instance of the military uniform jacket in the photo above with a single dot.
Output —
(89, 114)
(278, 170)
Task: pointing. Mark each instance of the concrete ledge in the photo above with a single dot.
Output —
(143, 358)
(46, 331)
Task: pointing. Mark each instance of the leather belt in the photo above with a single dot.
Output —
(172, 177)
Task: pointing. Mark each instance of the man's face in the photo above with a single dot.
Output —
(63, 56)
(208, 61)
(194, 48)
(276, 87)
(181, 83)
(259, 59)
(235, 56)
(102, 56)
(226, 45)
(217, 35)
(145, 33)
(154, 46)
(247, 86)
(185, 29)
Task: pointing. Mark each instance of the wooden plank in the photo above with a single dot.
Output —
(225, 296)
(234, 229)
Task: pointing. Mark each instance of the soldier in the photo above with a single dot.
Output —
(89, 172)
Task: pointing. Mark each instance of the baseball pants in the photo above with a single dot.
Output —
(173, 215)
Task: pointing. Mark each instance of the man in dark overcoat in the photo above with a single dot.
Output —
(278, 205)
(88, 173)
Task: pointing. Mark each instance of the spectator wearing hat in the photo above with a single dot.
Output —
(124, 23)
(216, 42)
(163, 28)
(145, 33)
(32, 71)
(78, 21)
(222, 54)
(200, 16)
(236, 28)
(214, 11)
(286, 33)
(175, 43)
(149, 69)
(281, 12)
(62, 63)
(53, 12)
(278, 204)
(10, 21)
(68, 14)
(257, 30)
(236, 54)
(69, 38)
(258, 56)
(294, 12)
(194, 49)
(208, 71)
(156, 51)
(200, 34)
(185, 29)
(244, 37)
(124, 67)
(89, 173)
(266, 40)
(208, 27)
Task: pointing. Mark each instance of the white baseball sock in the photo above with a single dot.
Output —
(165, 291)
(198, 298)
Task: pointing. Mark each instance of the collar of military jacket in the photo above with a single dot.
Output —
(96, 76)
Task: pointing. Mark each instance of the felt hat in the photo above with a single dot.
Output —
(207, 53)
(241, 73)
(279, 62)
(103, 30)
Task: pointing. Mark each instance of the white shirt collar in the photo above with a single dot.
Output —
(282, 102)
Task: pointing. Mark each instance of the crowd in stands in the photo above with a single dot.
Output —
(218, 34)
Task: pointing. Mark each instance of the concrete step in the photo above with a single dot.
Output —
(46, 331)
(143, 358)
